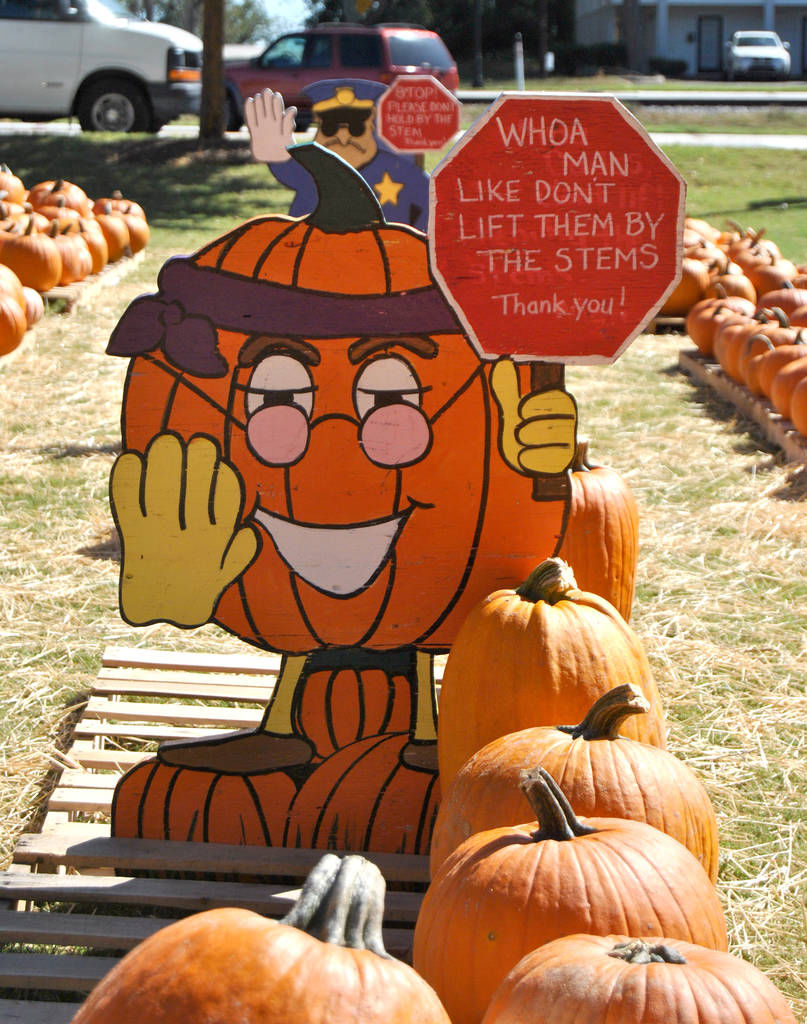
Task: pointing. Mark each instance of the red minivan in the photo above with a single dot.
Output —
(336, 50)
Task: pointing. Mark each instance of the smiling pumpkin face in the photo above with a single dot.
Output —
(329, 370)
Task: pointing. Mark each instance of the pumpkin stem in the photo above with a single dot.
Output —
(552, 810)
(342, 902)
(551, 581)
(582, 458)
(637, 951)
(607, 714)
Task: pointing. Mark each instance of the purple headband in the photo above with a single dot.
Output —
(194, 302)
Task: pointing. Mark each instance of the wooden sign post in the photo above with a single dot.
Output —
(418, 114)
(554, 228)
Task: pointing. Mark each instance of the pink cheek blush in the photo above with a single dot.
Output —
(395, 435)
(278, 434)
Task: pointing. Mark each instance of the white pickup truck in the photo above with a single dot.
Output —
(78, 57)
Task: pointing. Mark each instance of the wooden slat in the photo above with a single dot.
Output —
(95, 931)
(189, 685)
(187, 661)
(127, 730)
(81, 801)
(180, 894)
(71, 779)
(774, 426)
(79, 846)
(190, 715)
(67, 972)
(84, 755)
(21, 1011)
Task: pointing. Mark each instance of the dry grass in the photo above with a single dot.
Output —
(720, 601)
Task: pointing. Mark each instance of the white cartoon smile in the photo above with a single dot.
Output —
(339, 560)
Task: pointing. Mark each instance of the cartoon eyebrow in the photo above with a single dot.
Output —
(262, 345)
(424, 347)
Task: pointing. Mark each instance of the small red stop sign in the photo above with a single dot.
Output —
(417, 114)
(555, 228)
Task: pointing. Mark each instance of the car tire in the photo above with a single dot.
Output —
(233, 120)
(114, 105)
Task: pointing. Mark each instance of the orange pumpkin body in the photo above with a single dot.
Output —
(784, 384)
(601, 543)
(601, 773)
(233, 966)
(13, 324)
(456, 546)
(705, 317)
(578, 978)
(798, 407)
(507, 891)
(519, 662)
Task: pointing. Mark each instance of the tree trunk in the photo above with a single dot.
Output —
(543, 36)
(212, 116)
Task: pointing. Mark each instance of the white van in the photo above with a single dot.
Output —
(79, 57)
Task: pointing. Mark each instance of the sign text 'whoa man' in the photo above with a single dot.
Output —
(556, 226)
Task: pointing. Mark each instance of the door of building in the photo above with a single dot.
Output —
(710, 42)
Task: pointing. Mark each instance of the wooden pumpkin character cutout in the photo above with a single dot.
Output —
(316, 459)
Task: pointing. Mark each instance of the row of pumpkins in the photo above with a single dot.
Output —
(572, 867)
(53, 234)
(745, 305)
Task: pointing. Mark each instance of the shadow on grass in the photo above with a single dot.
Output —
(173, 179)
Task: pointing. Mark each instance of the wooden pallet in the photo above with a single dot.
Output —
(75, 899)
(775, 427)
(68, 298)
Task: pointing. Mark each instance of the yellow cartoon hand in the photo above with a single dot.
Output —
(177, 510)
(537, 431)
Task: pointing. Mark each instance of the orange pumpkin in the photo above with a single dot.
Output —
(34, 258)
(706, 317)
(11, 185)
(50, 193)
(325, 962)
(507, 891)
(784, 384)
(602, 773)
(602, 536)
(798, 407)
(13, 324)
(600, 979)
(538, 655)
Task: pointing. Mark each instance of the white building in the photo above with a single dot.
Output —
(695, 31)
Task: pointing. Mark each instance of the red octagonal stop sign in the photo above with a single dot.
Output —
(555, 228)
(417, 114)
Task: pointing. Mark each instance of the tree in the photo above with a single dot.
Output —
(212, 114)
(245, 21)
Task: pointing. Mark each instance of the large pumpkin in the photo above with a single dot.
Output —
(506, 891)
(538, 655)
(602, 773)
(602, 979)
(325, 962)
(602, 538)
(382, 505)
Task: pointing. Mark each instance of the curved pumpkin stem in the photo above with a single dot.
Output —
(606, 715)
(637, 951)
(342, 902)
(551, 581)
(552, 810)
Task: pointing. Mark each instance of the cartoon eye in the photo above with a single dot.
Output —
(280, 380)
(386, 381)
